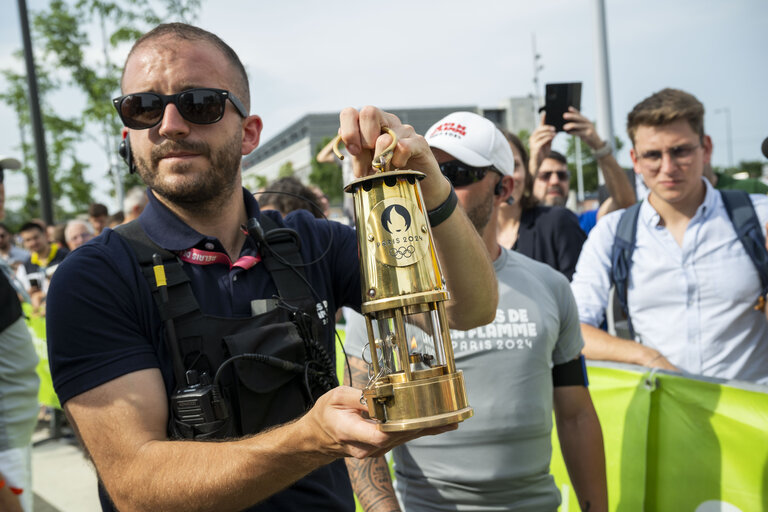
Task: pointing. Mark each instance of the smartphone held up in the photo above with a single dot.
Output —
(558, 97)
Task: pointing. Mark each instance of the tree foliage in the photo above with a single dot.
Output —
(286, 170)
(65, 38)
(588, 162)
(753, 167)
(327, 176)
(65, 167)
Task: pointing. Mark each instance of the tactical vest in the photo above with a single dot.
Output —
(269, 368)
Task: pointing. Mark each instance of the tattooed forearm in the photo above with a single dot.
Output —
(359, 371)
(372, 484)
(370, 477)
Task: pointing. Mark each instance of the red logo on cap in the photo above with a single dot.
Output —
(456, 128)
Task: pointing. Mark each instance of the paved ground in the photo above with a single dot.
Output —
(63, 480)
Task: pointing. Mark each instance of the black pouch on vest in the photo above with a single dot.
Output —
(268, 395)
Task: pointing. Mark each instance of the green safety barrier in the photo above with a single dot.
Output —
(676, 443)
(671, 443)
(36, 324)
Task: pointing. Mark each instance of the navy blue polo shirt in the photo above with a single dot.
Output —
(103, 323)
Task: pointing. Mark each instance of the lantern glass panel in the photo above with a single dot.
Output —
(422, 343)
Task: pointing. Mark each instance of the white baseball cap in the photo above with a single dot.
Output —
(474, 140)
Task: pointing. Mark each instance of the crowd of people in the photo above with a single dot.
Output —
(154, 316)
(28, 259)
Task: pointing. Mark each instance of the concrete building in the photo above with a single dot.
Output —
(298, 142)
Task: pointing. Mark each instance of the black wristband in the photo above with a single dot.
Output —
(442, 212)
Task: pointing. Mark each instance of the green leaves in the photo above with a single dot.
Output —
(73, 42)
(327, 176)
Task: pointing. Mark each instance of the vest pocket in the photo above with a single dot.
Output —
(268, 376)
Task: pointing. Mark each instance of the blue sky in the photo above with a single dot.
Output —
(305, 56)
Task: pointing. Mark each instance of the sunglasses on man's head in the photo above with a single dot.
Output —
(561, 175)
(461, 174)
(201, 105)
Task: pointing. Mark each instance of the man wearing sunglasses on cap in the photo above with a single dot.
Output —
(518, 368)
(186, 108)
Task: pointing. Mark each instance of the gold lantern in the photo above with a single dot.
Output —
(413, 381)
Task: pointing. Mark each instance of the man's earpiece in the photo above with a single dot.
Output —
(124, 150)
(498, 189)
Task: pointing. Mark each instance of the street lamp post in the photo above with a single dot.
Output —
(36, 116)
(602, 81)
(536, 87)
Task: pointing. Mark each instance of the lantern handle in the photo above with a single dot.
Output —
(380, 162)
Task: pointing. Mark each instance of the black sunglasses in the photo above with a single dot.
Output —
(201, 105)
(461, 174)
(561, 175)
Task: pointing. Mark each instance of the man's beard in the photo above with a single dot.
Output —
(555, 200)
(480, 212)
(201, 189)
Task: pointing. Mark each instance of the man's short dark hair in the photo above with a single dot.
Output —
(31, 225)
(116, 218)
(192, 33)
(291, 194)
(664, 107)
(558, 157)
(98, 210)
(5, 228)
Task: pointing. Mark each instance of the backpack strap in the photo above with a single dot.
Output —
(742, 213)
(621, 257)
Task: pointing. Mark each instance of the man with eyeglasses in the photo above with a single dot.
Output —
(118, 332)
(76, 233)
(693, 292)
(518, 368)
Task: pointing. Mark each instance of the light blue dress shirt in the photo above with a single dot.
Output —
(694, 303)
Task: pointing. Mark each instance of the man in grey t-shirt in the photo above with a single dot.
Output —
(516, 369)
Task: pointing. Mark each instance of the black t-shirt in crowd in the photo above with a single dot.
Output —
(552, 235)
(10, 307)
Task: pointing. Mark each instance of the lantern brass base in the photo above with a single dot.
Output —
(431, 401)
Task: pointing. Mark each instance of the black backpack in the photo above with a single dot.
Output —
(744, 219)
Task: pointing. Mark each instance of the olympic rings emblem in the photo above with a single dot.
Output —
(402, 252)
